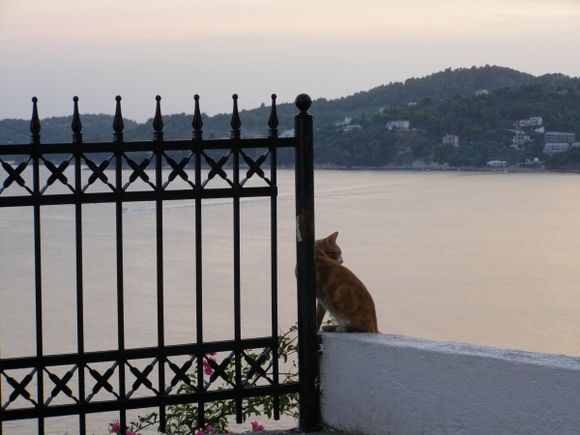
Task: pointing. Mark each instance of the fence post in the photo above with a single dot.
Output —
(309, 407)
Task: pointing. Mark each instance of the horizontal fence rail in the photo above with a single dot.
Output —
(35, 175)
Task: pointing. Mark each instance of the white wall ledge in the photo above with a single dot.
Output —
(386, 384)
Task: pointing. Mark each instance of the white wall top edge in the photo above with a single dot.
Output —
(458, 348)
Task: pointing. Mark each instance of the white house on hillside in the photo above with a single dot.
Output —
(556, 147)
(532, 121)
(497, 163)
(351, 127)
(399, 124)
(557, 142)
(520, 139)
(346, 121)
(451, 140)
(558, 136)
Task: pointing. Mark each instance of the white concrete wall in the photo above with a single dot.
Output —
(384, 384)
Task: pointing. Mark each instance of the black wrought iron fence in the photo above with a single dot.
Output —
(31, 383)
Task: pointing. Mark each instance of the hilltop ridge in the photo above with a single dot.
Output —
(478, 104)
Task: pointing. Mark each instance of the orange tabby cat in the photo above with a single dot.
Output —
(340, 292)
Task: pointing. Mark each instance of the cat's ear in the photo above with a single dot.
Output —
(332, 238)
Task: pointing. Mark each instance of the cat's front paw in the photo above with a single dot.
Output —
(329, 328)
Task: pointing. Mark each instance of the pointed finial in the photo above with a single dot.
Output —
(158, 121)
(35, 123)
(236, 122)
(273, 121)
(118, 124)
(76, 125)
(197, 122)
(303, 102)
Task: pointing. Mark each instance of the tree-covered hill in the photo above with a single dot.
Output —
(441, 103)
(435, 87)
(483, 124)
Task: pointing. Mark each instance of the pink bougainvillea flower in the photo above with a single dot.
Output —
(207, 430)
(257, 427)
(212, 354)
(115, 427)
(207, 368)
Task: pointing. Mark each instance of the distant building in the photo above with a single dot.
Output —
(558, 142)
(451, 140)
(559, 137)
(412, 103)
(556, 147)
(287, 133)
(481, 92)
(399, 124)
(346, 121)
(532, 121)
(497, 163)
(520, 139)
(351, 127)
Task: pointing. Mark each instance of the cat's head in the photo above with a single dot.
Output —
(329, 248)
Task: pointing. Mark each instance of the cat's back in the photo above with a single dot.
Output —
(345, 295)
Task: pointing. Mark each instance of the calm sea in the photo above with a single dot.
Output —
(484, 258)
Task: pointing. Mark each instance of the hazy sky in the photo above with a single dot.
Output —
(56, 49)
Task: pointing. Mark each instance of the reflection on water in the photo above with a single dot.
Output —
(486, 258)
(478, 257)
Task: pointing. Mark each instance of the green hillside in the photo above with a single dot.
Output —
(483, 123)
(441, 103)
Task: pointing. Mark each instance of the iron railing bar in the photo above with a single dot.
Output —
(309, 405)
(136, 353)
(120, 280)
(172, 145)
(150, 402)
(158, 137)
(160, 283)
(199, 143)
(273, 135)
(274, 270)
(79, 291)
(112, 197)
(38, 280)
(235, 150)
(237, 276)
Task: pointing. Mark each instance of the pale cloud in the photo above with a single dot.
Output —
(178, 19)
(330, 48)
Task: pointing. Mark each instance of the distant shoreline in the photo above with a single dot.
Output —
(508, 169)
(410, 168)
